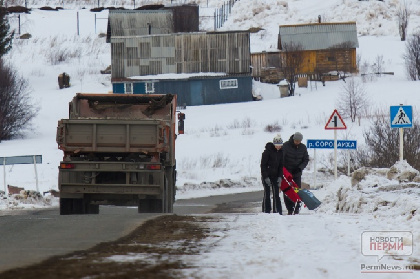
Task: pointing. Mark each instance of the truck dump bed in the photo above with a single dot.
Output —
(107, 123)
(99, 135)
(120, 106)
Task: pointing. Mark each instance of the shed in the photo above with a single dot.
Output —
(325, 46)
(191, 89)
(266, 66)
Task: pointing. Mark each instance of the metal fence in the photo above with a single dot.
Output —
(221, 14)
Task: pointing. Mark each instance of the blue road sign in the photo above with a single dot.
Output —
(325, 143)
(401, 116)
(21, 160)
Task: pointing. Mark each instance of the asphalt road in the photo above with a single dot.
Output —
(28, 237)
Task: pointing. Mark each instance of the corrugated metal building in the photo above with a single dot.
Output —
(226, 52)
(326, 46)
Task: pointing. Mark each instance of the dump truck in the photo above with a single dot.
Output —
(118, 150)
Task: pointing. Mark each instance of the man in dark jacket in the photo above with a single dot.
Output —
(271, 174)
(295, 159)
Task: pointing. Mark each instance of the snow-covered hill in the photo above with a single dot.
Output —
(225, 142)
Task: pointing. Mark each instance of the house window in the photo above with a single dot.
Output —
(331, 58)
(150, 87)
(228, 83)
(128, 88)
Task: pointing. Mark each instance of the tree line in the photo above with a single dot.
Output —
(16, 110)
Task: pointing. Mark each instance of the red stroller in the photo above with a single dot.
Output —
(295, 194)
(288, 187)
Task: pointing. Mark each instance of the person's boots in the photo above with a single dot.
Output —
(297, 209)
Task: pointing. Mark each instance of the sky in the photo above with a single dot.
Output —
(224, 142)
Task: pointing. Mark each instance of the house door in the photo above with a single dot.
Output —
(196, 93)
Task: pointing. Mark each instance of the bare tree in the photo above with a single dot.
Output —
(412, 57)
(291, 64)
(402, 15)
(382, 142)
(378, 65)
(16, 112)
(352, 99)
(5, 36)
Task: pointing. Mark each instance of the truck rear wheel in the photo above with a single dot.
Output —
(66, 206)
(170, 189)
(150, 206)
(77, 206)
(71, 206)
(92, 209)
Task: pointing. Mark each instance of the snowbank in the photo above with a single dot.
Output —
(383, 192)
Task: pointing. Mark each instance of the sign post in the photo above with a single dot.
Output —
(335, 123)
(401, 117)
(329, 144)
(4, 175)
(31, 159)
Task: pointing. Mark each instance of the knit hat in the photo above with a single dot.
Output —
(298, 136)
(278, 140)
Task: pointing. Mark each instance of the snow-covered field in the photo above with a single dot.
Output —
(226, 141)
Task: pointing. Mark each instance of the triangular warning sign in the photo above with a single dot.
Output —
(335, 122)
(401, 117)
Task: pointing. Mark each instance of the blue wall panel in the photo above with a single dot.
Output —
(193, 92)
(118, 87)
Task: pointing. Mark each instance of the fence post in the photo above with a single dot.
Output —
(36, 174)
(4, 175)
(226, 12)
(78, 24)
(219, 17)
(215, 19)
(223, 15)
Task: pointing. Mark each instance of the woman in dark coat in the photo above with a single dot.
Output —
(271, 174)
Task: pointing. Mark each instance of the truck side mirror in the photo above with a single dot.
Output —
(181, 118)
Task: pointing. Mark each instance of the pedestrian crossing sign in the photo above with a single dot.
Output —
(401, 116)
